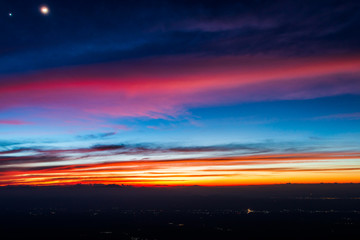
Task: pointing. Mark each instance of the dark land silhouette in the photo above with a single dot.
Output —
(291, 211)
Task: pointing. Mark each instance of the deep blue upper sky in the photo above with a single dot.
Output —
(83, 32)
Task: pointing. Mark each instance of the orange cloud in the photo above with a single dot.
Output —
(240, 170)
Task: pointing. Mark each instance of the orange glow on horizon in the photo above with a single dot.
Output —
(227, 171)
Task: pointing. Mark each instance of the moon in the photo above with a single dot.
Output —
(44, 10)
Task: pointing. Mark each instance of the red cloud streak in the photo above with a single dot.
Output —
(13, 122)
(158, 87)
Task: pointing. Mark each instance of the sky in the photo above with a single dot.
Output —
(176, 93)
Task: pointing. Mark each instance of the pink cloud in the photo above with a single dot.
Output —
(13, 122)
(163, 87)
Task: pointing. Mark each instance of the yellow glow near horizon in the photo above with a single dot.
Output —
(241, 170)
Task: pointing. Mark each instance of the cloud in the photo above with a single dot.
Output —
(9, 161)
(164, 87)
(345, 116)
(36, 155)
(13, 122)
(223, 24)
(236, 170)
(153, 152)
(97, 136)
(233, 163)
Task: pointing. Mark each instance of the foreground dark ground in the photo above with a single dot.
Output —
(113, 212)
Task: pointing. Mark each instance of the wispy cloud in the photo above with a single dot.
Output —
(151, 88)
(96, 136)
(345, 116)
(13, 122)
(61, 167)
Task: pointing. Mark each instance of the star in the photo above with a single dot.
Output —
(10, 14)
(44, 10)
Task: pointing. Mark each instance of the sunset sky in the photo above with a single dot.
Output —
(179, 92)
